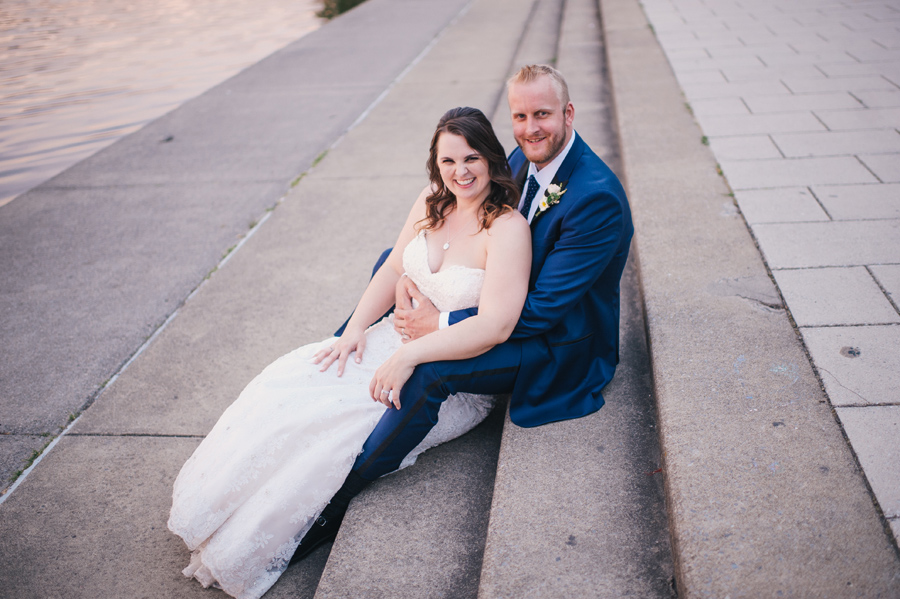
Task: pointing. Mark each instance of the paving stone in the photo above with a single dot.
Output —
(844, 202)
(895, 528)
(863, 118)
(888, 275)
(791, 172)
(885, 166)
(745, 147)
(784, 59)
(768, 73)
(837, 143)
(857, 69)
(859, 365)
(888, 41)
(744, 51)
(848, 84)
(701, 91)
(760, 124)
(834, 243)
(879, 99)
(718, 106)
(687, 54)
(701, 76)
(681, 65)
(871, 52)
(782, 205)
(834, 296)
(874, 433)
(801, 102)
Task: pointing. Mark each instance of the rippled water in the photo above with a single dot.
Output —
(75, 75)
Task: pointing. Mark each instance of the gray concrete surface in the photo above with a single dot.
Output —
(93, 261)
(420, 532)
(764, 495)
(266, 300)
(578, 508)
(822, 128)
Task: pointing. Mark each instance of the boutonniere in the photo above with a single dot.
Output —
(551, 198)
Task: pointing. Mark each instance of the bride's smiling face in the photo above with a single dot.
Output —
(463, 170)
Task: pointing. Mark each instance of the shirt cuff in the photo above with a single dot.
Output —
(444, 320)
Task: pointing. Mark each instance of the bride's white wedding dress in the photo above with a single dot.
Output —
(255, 485)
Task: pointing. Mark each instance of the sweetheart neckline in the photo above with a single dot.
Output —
(441, 270)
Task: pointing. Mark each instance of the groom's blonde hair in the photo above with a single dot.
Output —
(533, 72)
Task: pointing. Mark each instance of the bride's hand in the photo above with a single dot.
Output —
(340, 350)
(390, 378)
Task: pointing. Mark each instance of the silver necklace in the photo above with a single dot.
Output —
(449, 239)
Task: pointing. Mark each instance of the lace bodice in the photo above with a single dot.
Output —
(451, 288)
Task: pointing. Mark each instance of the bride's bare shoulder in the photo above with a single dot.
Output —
(511, 225)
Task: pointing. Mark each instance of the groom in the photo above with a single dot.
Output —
(564, 349)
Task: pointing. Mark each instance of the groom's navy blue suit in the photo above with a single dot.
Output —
(564, 348)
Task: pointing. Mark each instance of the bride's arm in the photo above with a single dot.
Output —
(503, 293)
(377, 298)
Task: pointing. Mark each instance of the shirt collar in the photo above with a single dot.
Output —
(545, 175)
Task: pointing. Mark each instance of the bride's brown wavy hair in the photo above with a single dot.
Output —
(504, 194)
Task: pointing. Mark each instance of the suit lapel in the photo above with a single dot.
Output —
(572, 158)
(562, 175)
(520, 176)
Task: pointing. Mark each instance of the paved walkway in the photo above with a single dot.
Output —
(800, 104)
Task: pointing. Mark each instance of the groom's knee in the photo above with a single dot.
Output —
(425, 387)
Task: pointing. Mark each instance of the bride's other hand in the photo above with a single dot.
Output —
(352, 340)
(390, 377)
(413, 323)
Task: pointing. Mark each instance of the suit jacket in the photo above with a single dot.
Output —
(569, 327)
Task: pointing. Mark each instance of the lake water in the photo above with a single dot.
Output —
(76, 75)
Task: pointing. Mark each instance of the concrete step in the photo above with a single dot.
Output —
(420, 532)
(578, 507)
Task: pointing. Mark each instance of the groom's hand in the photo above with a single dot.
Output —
(410, 322)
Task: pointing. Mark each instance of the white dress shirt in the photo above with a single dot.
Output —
(544, 177)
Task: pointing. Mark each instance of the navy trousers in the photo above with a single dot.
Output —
(399, 431)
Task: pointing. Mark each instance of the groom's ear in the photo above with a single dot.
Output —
(570, 115)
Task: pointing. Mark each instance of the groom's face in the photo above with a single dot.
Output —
(541, 124)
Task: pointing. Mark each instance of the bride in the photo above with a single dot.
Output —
(258, 481)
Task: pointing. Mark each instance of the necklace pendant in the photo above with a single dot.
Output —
(446, 246)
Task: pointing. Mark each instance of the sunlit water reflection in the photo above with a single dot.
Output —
(75, 75)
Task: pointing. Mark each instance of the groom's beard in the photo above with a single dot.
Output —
(555, 142)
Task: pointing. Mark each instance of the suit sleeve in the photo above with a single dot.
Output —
(590, 235)
(460, 315)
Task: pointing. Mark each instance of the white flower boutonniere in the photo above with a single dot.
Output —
(551, 198)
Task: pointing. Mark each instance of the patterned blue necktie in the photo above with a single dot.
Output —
(533, 187)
